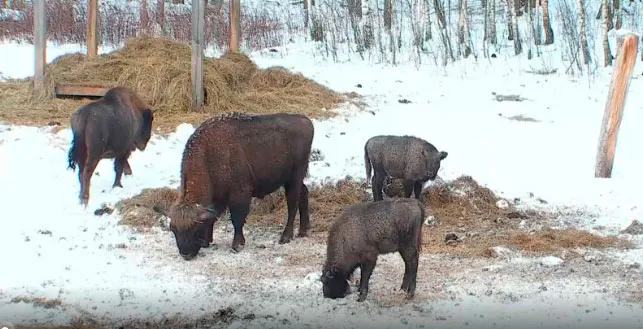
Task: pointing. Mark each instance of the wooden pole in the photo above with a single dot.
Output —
(235, 25)
(92, 44)
(198, 22)
(40, 46)
(615, 104)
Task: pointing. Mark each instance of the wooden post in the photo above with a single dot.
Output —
(40, 46)
(92, 44)
(198, 22)
(615, 104)
(235, 25)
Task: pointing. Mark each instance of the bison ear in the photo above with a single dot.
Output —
(443, 155)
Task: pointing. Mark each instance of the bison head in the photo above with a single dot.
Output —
(334, 283)
(188, 223)
(433, 160)
(144, 130)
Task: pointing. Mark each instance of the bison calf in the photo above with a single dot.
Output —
(409, 158)
(111, 127)
(362, 232)
(230, 159)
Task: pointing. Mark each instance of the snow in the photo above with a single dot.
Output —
(54, 248)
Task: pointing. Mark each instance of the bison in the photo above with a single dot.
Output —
(112, 127)
(409, 158)
(232, 158)
(363, 231)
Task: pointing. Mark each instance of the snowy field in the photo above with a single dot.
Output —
(55, 249)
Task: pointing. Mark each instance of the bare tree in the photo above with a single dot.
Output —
(305, 13)
(510, 27)
(549, 32)
(464, 37)
(583, 33)
(537, 27)
(607, 22)
(366, 24)
(618, 12)
(530, 29)
(514, 24)
(490, 18)
(442, 28)
(426, 17)
(144, 16)
(388, 14)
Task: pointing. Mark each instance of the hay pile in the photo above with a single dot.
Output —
(461, 208)
(159, 70)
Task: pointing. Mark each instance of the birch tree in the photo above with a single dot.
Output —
(618, 12)
(464, 37)
(514, 24)
(529, 29)
(491, 21)
(607, 53)
(366, 24)
(583, 33)
(510, 28)
(549, 32)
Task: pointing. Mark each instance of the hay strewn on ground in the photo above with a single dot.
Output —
(160, 71)
(461, 207)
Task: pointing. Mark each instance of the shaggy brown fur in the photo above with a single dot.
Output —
(232, 158)
(111, 127)
(365, 230)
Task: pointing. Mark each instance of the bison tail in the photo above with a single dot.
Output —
(77, 149)
(367, 163)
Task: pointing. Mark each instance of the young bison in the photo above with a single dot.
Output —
(232, 158)
(364, 231)
(409, 158)
(111, 127)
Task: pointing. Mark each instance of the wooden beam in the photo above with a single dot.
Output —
(235, 25)
(198, 22)
(40, 46)
(80, 90)
(615, 103)
(92, 44)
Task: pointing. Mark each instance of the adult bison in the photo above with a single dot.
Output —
(112, 127)
(409, 158)
(230, 159)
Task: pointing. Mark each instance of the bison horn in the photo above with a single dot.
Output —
(207, 213)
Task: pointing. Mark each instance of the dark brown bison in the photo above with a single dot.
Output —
(111, 127)
(230, 159)
(363, 231)
(409, 158)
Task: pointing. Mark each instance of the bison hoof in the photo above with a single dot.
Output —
(117, 185)
(285, 239)
(236, 248)
(84, 200)
(362, 297)
(127, 172)
(204, 244)
(303, 233)
(410, 295)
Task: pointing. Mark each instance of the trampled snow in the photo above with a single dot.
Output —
(542, 147)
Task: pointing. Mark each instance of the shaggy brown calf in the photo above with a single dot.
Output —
(366, 230)
(111, 127)
(409, 158)
(230, 159)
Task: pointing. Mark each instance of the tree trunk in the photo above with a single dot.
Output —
(439, 13)
(549, 32)
(305, 14)
(391, 28)
(607, 54)
(618, 12)
(388, 14)
(510, 28)
(426, 19)
(492, 34)
(514, 23)
(144, 17)
(367, 27)
(538, 38)
(178, 2)
(464, 37)
(530, 29)
(583, 33)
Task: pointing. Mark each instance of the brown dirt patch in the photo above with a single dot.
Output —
(460, 207)
(38, 301)
(159, 70)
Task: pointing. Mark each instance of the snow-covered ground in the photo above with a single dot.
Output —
(53, 248)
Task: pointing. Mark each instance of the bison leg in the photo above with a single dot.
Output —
(119, 165)
(238, 213)
(366, 269)
(127, 170)
(304, 215)
(293, 192)
(411, 257)
(408, 188)
(417, 190)
(90, 165)
(206, 234)
(377, 182)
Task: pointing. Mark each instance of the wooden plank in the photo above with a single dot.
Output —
(92, 43)
(615, 104)
(198, 23)
(80, 90)
(40, 46)
(235, 25)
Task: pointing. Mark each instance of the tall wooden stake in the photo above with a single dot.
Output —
(615, 103)
(198, 22)
(92, 44)
(235, 25)
(40, 46)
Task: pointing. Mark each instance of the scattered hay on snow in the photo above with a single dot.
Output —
(137, 211)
